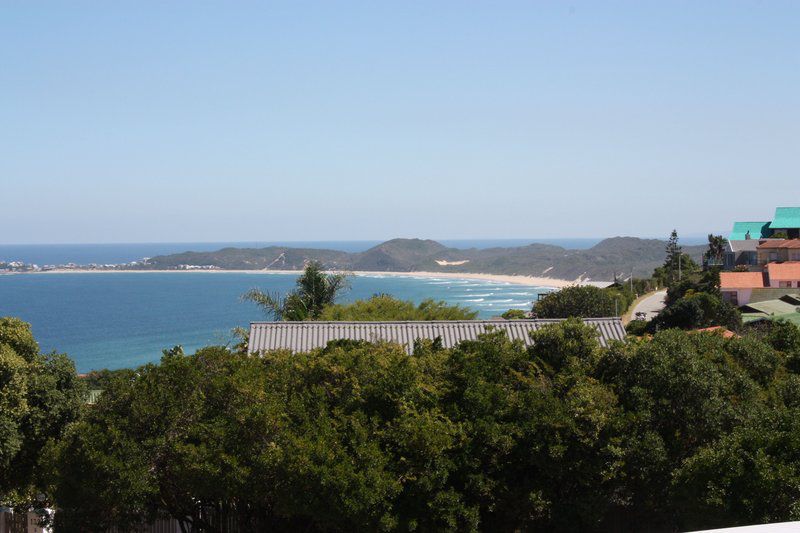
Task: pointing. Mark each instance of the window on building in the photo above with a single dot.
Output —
(732, 297)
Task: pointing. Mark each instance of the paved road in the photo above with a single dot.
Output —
(650, 305)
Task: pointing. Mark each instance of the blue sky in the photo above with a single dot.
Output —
(192, 121)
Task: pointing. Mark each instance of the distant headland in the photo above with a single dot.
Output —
(541, 264)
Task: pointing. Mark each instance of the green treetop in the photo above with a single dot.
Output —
(314, 290)
(385, 307)
(39, 396)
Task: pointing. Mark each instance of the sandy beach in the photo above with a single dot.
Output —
(530, 281)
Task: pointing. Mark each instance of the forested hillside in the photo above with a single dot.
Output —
(615, 256)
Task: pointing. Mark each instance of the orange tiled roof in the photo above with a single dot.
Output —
(781, 243)
(741, 280)
(784, 271)
(725, 332)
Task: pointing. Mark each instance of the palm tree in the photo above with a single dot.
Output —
(315, 290)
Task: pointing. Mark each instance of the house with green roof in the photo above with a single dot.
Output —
(787, 219)
(785, 308)
(743, 243)
(749, 230)
(753, 244)
(747, 238)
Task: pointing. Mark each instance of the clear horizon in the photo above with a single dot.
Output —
(312, 121)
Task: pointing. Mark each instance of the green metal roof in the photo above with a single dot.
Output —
(756, 229)
(771, 307)
(794, 318)
(786, 217)
(793, 299)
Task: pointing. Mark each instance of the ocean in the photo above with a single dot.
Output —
(123, 320)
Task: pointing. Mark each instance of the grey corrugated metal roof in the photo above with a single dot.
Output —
(306, 336)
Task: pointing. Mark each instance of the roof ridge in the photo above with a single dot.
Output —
(476, 321)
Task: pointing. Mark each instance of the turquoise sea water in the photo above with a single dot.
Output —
(118, 320)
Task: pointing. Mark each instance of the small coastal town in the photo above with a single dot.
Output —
(20, 267)
(762, 267)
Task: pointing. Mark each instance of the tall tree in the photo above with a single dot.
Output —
(716, 248)
(40, 395)
(315, 290)
(674, 251)
(676, 263)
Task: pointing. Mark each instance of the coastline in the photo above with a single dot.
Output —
(530, 281)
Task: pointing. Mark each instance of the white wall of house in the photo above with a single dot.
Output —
(783, 283)
(31, 521)
(737, 296)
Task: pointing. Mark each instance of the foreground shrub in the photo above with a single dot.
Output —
(40, 395)
(677, 431)
(581, 301)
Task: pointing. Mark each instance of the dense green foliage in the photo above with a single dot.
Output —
(637, 327)
(696, 302)
(699, 310)
(716, 249)
(639, 286)
(693, 298)
(39, 396)
(315, 290)
(385, 307)
(682, 431)
(99, 379)
(514, 314)
(677, 264)
(584, 301)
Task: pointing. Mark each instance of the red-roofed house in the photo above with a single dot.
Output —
(784, 275)
(737, 287)
(778, 250)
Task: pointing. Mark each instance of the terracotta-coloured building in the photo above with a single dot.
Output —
(737, 287)
(784, 275)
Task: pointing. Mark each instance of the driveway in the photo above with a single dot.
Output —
(650, 306)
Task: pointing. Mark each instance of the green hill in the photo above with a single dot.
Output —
(615, 256)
